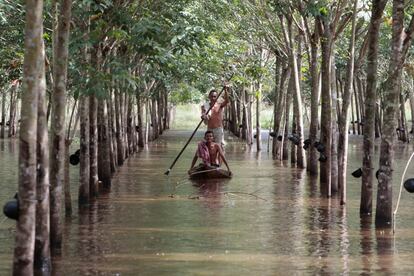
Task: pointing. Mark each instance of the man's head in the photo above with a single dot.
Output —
(212, 95)
(209, 136)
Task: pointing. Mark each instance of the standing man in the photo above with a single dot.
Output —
(214, 119)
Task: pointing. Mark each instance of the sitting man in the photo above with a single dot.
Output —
(209, 152)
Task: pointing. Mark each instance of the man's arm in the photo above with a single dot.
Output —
(226, 96)
(223, 158)
(204, 116)
(193, 163)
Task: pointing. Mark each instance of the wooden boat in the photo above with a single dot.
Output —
(206, 172)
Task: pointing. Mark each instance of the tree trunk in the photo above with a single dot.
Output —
(124, 123)
(160, 109)
(334, 145)
(130, 128)
(140, 121)
(365, 207)
(58, 102)
(104, 156)
(383, 215)
(411, 98)
(166, 111)
(13, 106)
(42, 261)
(93, 146)
(357, 108)
(84, 169)
(344, 118)
(315, 95)
(403, 125)
(293, 147)
(33, 59)
(353, 113)
(118, 125)
(3, 115)
(68, 197)
(280, 113)
(154, 119)
(249, 139)
(112, 140)
(258, 130)
(285, 145)
(326, 116)
(298, 110)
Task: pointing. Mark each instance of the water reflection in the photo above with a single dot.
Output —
(385, 250)
(210, 192)
(366, 245)
(269, 219)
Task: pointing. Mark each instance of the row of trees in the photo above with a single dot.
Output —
(325, 58)
(125, 64)
(119, 65)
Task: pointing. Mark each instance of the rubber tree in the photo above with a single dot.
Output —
(42, 260)
(365, 208)
(297, 97)
(58, 144)
(330, 25)
(313, 39)
(343, 124)
(400, 43)
(27, 196)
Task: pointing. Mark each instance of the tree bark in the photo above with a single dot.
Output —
(403, 121)
(315, 95)
(140, 121)
(3, 115)
(84, 169)
(33, 59)
(326, 116)
(280, 113)
(344, 118)
(58, 145)
(118, 125)
(334, 147)
(68, 197)
(104, 156)
(112, 136)
(93, 146)
(258, 128)
(383, 215)
(411, 99)
(12, 110)
(249, 121)
(42, 261)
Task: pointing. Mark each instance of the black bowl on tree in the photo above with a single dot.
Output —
(319, 146)
(306, 144)
(357, 173)
(409, 185)
(11, 209)
(74, 159)
(294, 139)
(322, 158)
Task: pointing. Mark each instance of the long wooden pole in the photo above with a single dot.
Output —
(195, 130)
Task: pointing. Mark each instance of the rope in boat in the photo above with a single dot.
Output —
(394, 214)
(4, 219)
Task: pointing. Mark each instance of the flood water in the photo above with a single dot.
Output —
(269, 219)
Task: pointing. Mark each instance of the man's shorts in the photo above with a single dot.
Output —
(218, 134)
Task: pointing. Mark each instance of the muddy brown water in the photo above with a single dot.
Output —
(269, 219)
